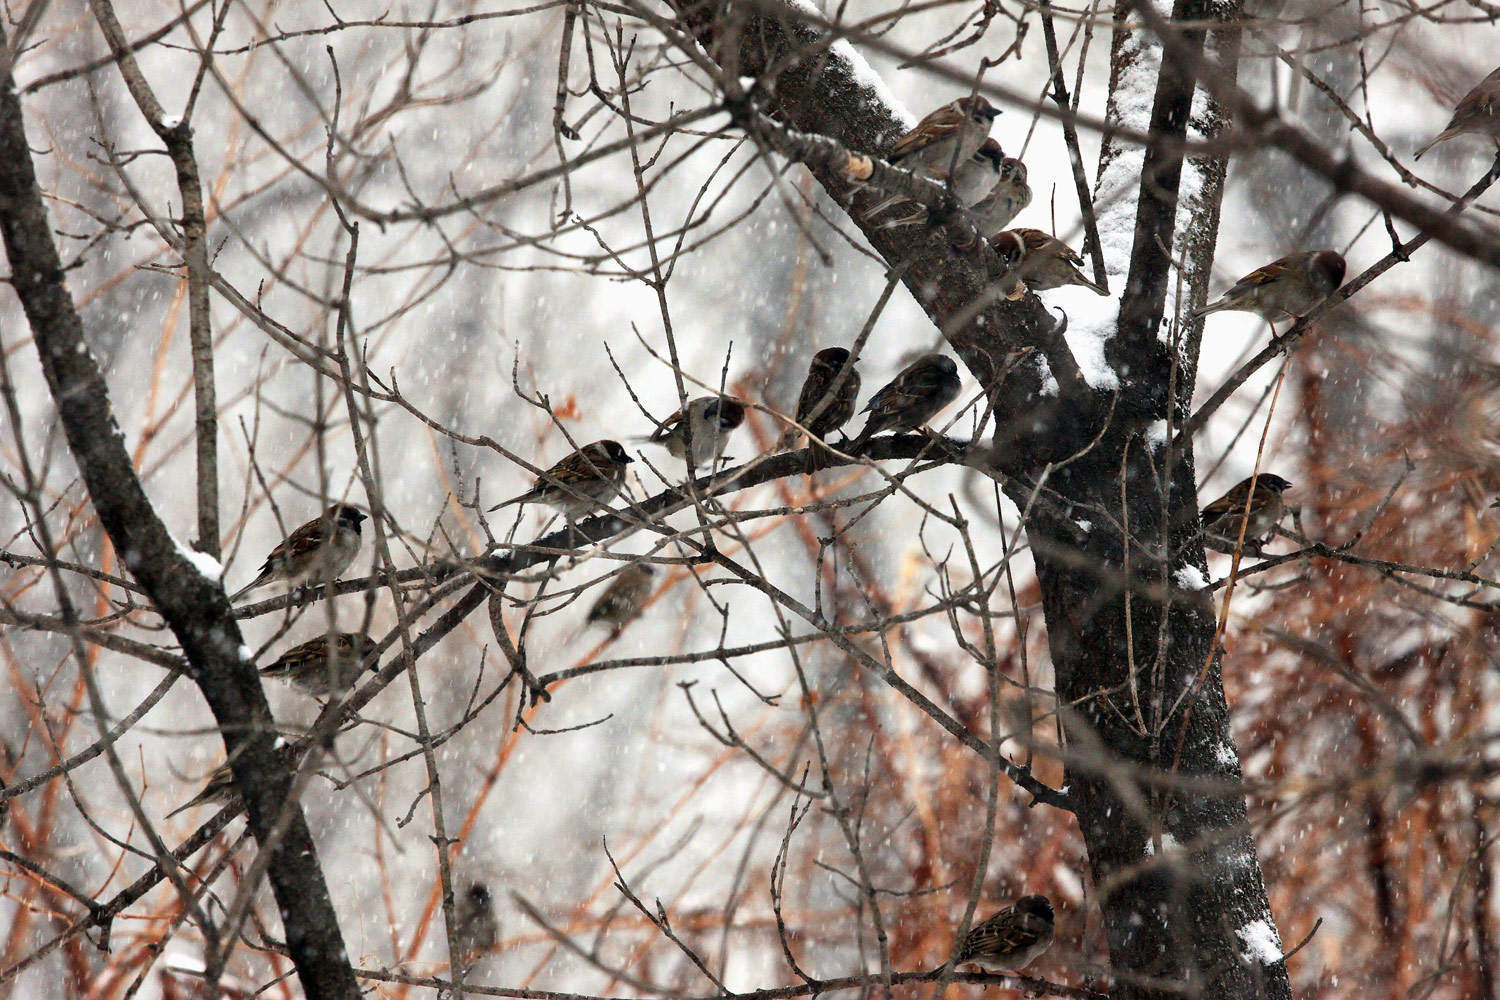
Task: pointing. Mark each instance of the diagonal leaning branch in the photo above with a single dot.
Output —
(193, 605)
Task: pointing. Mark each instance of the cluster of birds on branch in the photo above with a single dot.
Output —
(951, 146)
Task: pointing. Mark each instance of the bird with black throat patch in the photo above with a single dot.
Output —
(579, 483)
(317, 552)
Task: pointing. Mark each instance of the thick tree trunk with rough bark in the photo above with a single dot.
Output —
(194, 606)
(1113, 524)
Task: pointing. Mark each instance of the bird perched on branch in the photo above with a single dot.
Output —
(711, 418)
(912, 398)
(312, 667)
(973, 180)
(220, 788)
(1221, 519)
(1011, 939)
(1290, 286)
(476, 929)
(1042, 261)
(1006, 199)
(945, 138)
(624, 598)
(1477, 113)
(579, 483)
(317, 552)
(821, 408)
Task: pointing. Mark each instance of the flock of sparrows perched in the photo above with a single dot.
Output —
(952, 146)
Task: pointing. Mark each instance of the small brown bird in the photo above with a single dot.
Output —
(1287, 287)
(1006, 200)
(972, 181)
(912, 398)
(1477, 113)
(1042, 261)
(309, 666)
(220, 788)
(1221, 519)
(623, 599)
(476, 927)
(317, 552)
(947, 136)
(1011, 939)
(582, 481)
(712, 419)
(818, 412)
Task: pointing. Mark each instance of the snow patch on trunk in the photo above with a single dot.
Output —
(1262, 942)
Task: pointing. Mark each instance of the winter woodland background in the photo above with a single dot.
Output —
(543, 312)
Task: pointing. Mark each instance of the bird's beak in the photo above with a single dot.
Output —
(992, 113)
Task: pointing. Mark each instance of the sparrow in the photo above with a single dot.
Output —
(1286, 287)
(1044, 262)
(818, 412)
(714, 418)
(317, 552)
(584, 480)
(309, 666)
(220, 788)
(973, 180)
(1478, 112)
(476, 929)
(1006, 199)
(623, 599)
(1011, 939)
(912, 398)
(1221, 519)
(946, 137)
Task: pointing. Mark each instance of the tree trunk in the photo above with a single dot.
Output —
(1113, 526)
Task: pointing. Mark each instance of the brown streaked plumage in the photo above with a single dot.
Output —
(1011, 939)
(1041, 260)
(624, 598)
(580, 482)
(912, 398)
(832, 412)
(309, 666)
(1288, 286)
(1478, 113)
(1221, 519)
(317, 552)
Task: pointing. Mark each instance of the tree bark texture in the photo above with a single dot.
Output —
(1113, 523)
(194, 606)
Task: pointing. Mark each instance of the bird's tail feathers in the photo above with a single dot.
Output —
(1089, 284)
(259, 581)
(1422, 149)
